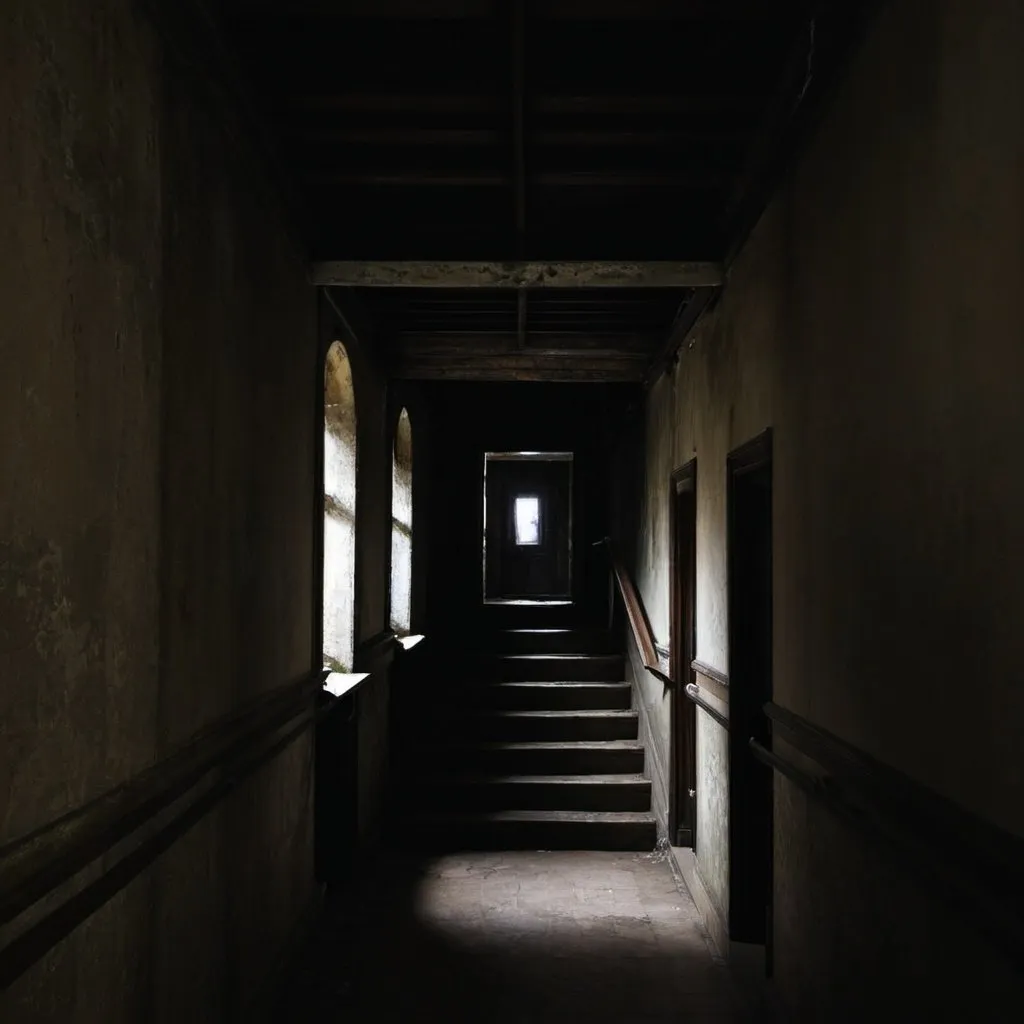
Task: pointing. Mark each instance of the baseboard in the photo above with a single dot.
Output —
(714, 922)
(744, 961)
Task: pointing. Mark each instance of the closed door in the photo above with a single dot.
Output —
(750, 685)
(683, 520)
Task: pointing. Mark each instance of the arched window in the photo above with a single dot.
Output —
(401, 527)
(339, 510)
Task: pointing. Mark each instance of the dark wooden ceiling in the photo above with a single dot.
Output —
(513, 130)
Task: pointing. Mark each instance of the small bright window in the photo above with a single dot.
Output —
(527, 520)
(339, 510)
(401, 527)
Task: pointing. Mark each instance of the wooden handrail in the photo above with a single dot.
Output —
(196, 777)
(975, 864)
(640, 625)
(693, 692)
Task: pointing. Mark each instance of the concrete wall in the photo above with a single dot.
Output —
(158, 345)
(874, 320)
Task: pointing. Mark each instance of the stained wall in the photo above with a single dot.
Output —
(873, 320)
(158, 348)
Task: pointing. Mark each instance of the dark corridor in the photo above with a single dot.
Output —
(277, 276)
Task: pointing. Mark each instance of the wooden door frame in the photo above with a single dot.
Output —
(682, 652)
(544, 492)
(755, 454)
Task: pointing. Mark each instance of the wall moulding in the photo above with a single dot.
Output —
(712, 680)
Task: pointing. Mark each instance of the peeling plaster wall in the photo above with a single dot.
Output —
(874, 320)
(158, 345)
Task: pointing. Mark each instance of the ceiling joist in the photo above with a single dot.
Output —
(523, 366)
(554, 10)
(518, 274)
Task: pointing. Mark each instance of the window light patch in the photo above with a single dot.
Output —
(527, 520)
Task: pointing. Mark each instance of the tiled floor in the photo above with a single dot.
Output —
(516, 937)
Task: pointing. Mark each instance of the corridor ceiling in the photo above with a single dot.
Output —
(443, 153)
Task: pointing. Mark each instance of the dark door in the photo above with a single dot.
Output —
(683, 524)
(750, 686)
(528, 527)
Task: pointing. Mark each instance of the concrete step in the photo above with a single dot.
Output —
(551, 641)
(609, 668)
(547, 725)
(537, 792)
(548, 696)
(607, 757)
(537, 830)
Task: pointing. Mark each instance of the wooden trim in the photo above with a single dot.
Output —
(196, 778)
(751, 454)
(699, 698)
(974, 863)
(718, 680)
(682, 517)
(640, 625)
(714, 920)
(751, 804)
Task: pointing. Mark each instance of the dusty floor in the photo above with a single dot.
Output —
(516, 937)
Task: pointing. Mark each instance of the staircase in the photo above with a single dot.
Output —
(535, 747)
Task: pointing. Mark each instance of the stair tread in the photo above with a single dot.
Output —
(550, 745)
(567, 683)
(581, 656)
(605, 817)
(531, 632)
(618, 778)
(559, 713)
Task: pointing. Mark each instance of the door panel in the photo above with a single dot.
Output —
(750, 684)
(683, 525)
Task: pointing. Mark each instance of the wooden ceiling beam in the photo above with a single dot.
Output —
(496, 179)
(521, 375)
(564, 103)
(517, 274)
(379, 102)
(467, 103)
(648, 138)
(664, 10)
(447, 344)
(569, 138)
(389, 137)
(408, 179)
(522, 366)
(240, 11)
